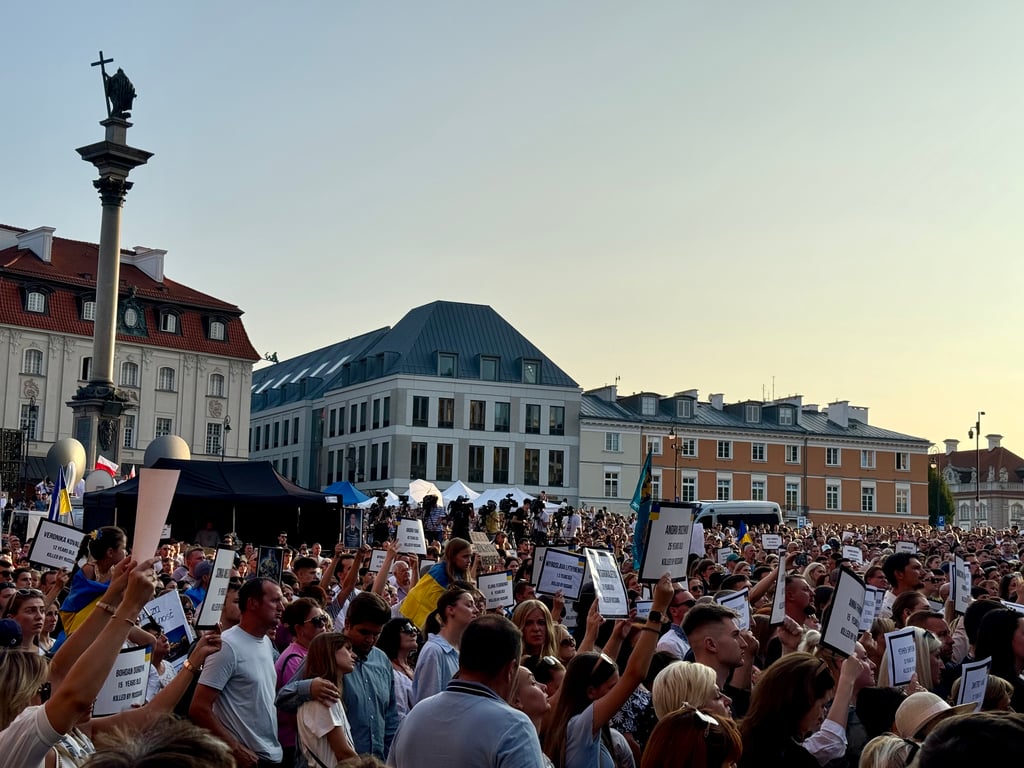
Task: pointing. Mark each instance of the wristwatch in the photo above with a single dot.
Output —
(655, 616)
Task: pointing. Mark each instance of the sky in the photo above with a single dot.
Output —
(749, 198)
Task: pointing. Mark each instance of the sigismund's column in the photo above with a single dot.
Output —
(99, 404)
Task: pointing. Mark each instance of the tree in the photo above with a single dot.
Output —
(940, 500)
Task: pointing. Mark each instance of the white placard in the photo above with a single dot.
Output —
(842, 623)
(847, 535)
(570, 618)
(902, 655)
(961, 584)
(165, 532)
(216, 592)
(873, 597)
(125, 686)
(906, 546)
(853, 554)
(973, 682)
(166, 611)
(156, 492)
(562, 571)
(779, 600)
(723, 555)
(377, 558)
(643, 609)
(1013, 606)
(667, 546)
(612, 600)
(56, 545)
(738, 602)
(697, 541)
(497, 589)
(426, 565)
(538, 561)
(410, 536)
(771, 541)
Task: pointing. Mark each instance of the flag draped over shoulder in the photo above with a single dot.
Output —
(422, 598)
(80, 602)
(641, 504)
(743, 535)
(60, 500)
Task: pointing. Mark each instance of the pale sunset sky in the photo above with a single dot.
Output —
(821, 198)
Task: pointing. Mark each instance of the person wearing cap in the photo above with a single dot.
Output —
(201, 573)
(921, 712)
(731, 560)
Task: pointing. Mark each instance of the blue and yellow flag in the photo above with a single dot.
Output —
(60, 500)
(743, 535)
(641, 504)
(422, 598)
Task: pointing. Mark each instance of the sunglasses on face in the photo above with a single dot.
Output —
(409, 629)
(316, 621)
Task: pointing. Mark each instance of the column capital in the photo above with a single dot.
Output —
(112, 189)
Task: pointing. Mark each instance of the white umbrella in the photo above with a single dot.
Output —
(391, 496)
(420, 488)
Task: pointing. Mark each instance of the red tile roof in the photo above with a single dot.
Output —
(72, 272)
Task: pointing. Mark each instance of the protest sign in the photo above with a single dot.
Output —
(960, 588)
(697, 540)
(165, 532)
(723, 555)
(847, 535)
(612, 601)
(538, 561)
(643, 609)
(873, 598)
(974, 682)
(216, 592)
(771, 541)
(410, 536)
(667, 544)
(352, 534)
(377, 558)
(779, 600)
(853, 554)
(156, 492)
(1013, 606)
(270, 563)
(562, 571)
(902, 655)
(485, 550)
(842, 622)
(166, 611)
(426, 565)
(738, 602)
(125, 686)
(497, 589)
(906, 546)
(56, 545)
(569, 618)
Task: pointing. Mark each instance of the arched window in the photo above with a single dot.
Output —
(165, 379)
(965, 511)
(129, 374)
(1016, 512)
(216, 385)
(217, 330)
(33, 361)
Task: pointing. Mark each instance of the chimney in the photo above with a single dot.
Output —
(951, 445)
(38, 240)
(717, 401)
(994, 441)
(608, 393)
(839, 413)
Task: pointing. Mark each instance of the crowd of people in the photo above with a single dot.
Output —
(329, 663)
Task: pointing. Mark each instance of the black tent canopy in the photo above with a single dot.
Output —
(248, 497)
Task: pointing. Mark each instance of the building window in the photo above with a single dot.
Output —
(965, 512)
(266, 437)
(256, 443)
(374, 459)
(165, 379)
(502, 417)
(445, 412)
(213, 433)
(295, 429)
(128, 430)
(531, 371)
(86, 370)
(902, 461)
(1016, 513)
(89, 310)
(654, 445)
(832, 457)
(216, 385)
(30, 420)
(477, 414)
(444, 461)
(792, 454)
(792, 496)
(35, 301)
(165, 425)
(688, 447)
(531, 466)
(556, 468)
(277, 434)
(611, 485)
(688, 489)
(284, 466)
(753, 414)
(785, 416)
(284, 437)
(168, 322)
(362, 417)
(476, 464)
(532, 425)
(867, 459)
(353, 418)
(648, 405)
(556, 420)
(684, 409)
(611, 442)
(724, 489)
(417, 461)
(655, 484)
(129, 374)
(758, 452)
(385, 456)
(420, 410)
(867, 498)
(902, 501)
(385, 419)
(757, 490)
(500, 473)
(447, 365)
(332, 421)
(832, 496)
(33, 362)
(724, 450)
(376, 417)
(489, 368)
(217, 330)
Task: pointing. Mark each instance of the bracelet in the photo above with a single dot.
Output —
(103, 606)
(649, 629)
(192, 667)
(131, 622)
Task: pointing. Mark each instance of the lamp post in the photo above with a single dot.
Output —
(934, 479)
(224, 437)
(675, 463)
(975, 432)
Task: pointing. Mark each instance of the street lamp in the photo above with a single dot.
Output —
(933, 465)
(224, 439)
(975, 432)
(676, 451)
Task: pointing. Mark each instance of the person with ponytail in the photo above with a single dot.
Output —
(439, 659)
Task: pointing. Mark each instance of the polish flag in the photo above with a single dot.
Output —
(106, 465)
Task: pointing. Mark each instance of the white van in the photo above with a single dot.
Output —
(752, 513)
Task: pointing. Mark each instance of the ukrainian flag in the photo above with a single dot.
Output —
(80, 602)
(60, 500)
(422, 598)
(743, 535)
(641, 504)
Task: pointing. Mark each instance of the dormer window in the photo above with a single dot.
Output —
(89, 309)
(169, 321)
(785, 416)
(531, 371)
(684, 409)
(648, 405)
(35, 301)
(447, 364)
(217, 330)
(753, 414)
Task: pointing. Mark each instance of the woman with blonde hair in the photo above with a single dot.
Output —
(23, 673)
(534, 620)
(815, 574)
(687, 682)
(998, 693)
(929, 662)
(887, 751)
